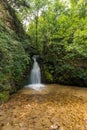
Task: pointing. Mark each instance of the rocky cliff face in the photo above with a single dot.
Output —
(13, 58)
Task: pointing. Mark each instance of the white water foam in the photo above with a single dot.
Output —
(35, 86)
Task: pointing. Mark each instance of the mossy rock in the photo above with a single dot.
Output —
(48, 76)
(4, 96)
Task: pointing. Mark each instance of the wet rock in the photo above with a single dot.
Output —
(21, 124)
(56, 127)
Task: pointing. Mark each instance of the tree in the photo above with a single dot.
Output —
(59, 32)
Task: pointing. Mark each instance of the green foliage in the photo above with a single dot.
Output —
(4, 96)
(62, 40)
(59, 33)
(13, 58)
(47, 74)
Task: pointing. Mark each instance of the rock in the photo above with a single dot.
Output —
(21, 124)
(56, 127)
(60, 128)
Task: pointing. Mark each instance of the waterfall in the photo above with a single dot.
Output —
(35, 76)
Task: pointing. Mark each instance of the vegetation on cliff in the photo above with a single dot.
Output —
(13, 58)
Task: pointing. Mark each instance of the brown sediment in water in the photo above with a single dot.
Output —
(41, 110)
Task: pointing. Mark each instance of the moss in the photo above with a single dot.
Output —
(47, 74)
(49, 77)
(4, 96)
(14, 58)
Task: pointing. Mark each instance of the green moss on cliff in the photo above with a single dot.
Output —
(13, 58)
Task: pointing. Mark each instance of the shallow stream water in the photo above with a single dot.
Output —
(53, 106)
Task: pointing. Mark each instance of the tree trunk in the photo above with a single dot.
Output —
(37, 30)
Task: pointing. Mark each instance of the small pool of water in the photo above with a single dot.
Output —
(45, 108)
(54, 88)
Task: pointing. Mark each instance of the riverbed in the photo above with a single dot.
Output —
(54, 107)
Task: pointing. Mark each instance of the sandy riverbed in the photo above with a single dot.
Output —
(42, 110)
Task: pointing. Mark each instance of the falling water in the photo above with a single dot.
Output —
(35, 76)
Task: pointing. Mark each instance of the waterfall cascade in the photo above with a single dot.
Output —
(35, 76)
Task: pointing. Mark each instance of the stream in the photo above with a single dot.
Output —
(54, 107)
